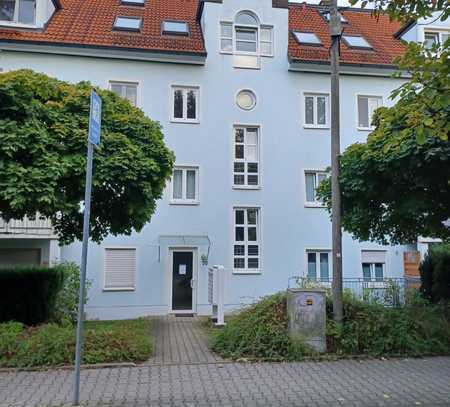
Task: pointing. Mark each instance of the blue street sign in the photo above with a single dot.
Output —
(95, 119)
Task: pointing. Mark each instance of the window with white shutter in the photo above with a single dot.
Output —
(120, 269)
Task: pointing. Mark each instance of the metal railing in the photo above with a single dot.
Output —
(27, 226)
(388, 291)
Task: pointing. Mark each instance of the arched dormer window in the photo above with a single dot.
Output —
(247, 39)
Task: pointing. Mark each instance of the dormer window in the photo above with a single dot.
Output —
(247, 39)
(438, 38)
(180, 28)
(128, 24)
(356, 41)
(18, 11)
(307, 38)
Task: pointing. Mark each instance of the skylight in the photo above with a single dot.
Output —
(306, 38)
(128, 23)
(356, 42)
(327, 17)
(175, 28)
(133, 2)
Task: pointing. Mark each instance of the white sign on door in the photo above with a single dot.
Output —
(182, 269)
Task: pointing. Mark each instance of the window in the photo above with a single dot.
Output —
(246, 157)
(175, 28)
(127, 90)
(316, 113)
(354, 41)
(185, 185)
(437, 38)
(246, 36)
(18, 11)
(119, 269)
(128, 23)
(373, 264)
(246, 248)
(366, 106)
(133, 2)
(246, 99)
(307, 38)
(312, 181)
(185, 102)
(318, 265)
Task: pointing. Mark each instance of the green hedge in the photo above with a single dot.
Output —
(435, 273)
(28, 294)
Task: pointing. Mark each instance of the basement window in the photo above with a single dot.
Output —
(128, 24)
(307, 38)
(354, 41)
(180, 28)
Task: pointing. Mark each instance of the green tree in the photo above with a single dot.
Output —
(43, 139)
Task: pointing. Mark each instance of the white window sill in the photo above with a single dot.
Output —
(124, 289)
(314, 205)
(184, 121)
(13, 24)
(312, 126)
(365, 128)
(246, 272)
(189, 203)
(247, 187)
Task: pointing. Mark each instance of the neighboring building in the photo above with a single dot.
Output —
(241, 88)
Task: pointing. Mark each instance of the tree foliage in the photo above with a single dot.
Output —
(43, 141)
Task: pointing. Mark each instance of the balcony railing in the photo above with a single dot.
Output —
(39, 226)
(388, 291)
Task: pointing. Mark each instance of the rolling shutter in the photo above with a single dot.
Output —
(20, 257)
(373, 256)
(120, 269)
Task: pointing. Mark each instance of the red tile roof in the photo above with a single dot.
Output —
(378, 31)
(90, 22)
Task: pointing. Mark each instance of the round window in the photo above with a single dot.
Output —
(246, 99)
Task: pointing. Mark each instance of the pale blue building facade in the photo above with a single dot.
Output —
(251, 136)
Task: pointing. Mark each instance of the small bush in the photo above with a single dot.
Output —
(28, 294)
(435, 273)
(54, 345)
(66, 305)
(370, 328)
(258, 332)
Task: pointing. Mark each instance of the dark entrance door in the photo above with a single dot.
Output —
(181, 281)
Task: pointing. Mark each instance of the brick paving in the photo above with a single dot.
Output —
(200, 379)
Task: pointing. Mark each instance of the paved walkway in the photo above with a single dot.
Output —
(180, 340)
(171, 378)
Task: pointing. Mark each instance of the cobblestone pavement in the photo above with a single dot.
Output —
(184, 373)
(180, 340)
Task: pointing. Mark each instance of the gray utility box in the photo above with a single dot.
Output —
(307, 316)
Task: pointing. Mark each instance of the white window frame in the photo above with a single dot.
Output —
(259, 27)
(316, 172)
(15, 21)
(127, 83)
(185, 89)
(361, 95)
(246, 242)
(433, 30)
(317, 252)
(373, 282)
(135, 249)
(184, 200)
(315, 125)
(244, 160)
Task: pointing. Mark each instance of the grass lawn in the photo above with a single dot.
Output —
(52, 345)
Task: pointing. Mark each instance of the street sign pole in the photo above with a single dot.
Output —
(93, 139)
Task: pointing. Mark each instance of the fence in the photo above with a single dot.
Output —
(38, 226)
(388, 291)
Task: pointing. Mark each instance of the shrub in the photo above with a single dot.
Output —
(258, 332)
(435, 273)
(54, 344)
(28, 294)
(66, 306)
